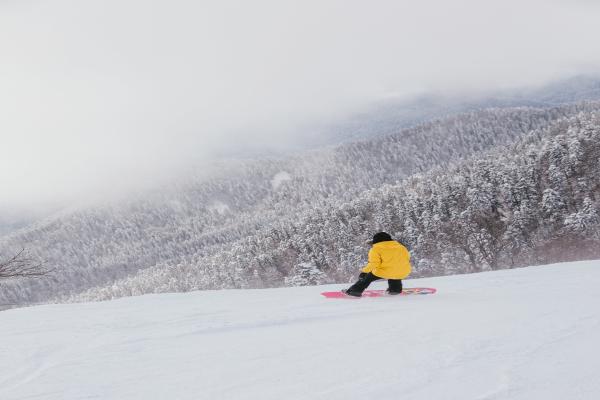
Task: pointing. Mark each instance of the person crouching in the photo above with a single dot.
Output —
(389, 260)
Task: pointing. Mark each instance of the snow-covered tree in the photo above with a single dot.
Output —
(305, 274)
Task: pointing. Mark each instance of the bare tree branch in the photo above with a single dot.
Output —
(22, 265)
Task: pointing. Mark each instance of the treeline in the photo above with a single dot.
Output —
(240, 227)
(533, 202)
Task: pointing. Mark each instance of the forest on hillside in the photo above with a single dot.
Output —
(496, 188)
(529, 203)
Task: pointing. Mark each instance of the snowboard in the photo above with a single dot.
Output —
(380, 293)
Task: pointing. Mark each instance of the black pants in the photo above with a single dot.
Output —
(395, 285)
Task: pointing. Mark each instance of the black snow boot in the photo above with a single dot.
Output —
(394, 286)
(353, 294)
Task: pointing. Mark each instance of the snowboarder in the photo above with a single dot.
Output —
(389, 260)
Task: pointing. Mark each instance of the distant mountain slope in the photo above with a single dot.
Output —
(533, 201)
(518, 334)
(388, 117)
(391, 115)
(252, 223)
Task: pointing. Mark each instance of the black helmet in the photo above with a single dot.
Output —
(381, 237)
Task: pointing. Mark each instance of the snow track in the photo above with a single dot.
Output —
(515, 334)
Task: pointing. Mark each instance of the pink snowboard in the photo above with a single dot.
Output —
(379, 293)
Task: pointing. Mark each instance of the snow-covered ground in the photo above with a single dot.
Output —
(517, 334)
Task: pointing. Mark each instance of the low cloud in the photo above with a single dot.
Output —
(99, 97)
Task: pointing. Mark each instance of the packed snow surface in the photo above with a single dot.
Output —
(528, 334)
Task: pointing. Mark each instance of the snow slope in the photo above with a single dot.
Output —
(516, 334)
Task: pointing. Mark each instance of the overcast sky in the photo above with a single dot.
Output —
(97, 95)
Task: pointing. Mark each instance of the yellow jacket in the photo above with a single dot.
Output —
(388, 260)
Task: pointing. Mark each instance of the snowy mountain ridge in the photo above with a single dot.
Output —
(195, 236)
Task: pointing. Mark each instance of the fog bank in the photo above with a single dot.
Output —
(102, 97)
